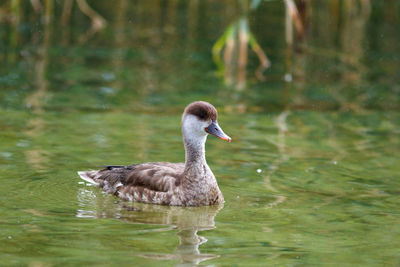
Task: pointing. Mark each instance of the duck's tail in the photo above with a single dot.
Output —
(89, 176)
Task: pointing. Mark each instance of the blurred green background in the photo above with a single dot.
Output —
(308, 90)
(324, 55)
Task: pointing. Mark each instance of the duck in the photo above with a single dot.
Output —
(191, 183)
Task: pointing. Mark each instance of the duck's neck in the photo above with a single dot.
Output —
(195, 151)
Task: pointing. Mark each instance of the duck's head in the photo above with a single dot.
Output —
(200, 119)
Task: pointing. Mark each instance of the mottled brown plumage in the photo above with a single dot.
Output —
(183, 184)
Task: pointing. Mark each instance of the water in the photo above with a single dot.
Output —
(310, 178)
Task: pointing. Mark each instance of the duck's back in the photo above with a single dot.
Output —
(149, 182)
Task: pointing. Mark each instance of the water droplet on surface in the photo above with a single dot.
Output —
(23, 143)
(288, 77)
(108, 76)
(6, 154)
(107, 90)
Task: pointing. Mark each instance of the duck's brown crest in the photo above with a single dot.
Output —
(202, 110)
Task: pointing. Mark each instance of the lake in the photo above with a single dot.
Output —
(311, 176)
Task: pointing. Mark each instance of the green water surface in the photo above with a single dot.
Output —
(311, 177)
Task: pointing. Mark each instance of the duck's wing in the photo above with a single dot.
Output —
(156, 176)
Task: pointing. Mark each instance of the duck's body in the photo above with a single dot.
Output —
(180, 184)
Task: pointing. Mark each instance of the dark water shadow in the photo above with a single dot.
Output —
(187, 220)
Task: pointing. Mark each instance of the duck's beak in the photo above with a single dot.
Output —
(214, 129)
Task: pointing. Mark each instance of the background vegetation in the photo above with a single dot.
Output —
(259, 55)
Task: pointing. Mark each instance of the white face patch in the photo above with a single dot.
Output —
(193, 126)
(194, 130)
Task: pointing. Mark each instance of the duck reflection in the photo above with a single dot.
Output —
(188, 221)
